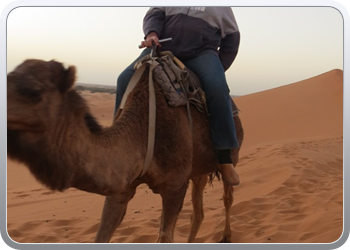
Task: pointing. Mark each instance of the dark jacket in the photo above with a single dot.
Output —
(195, 31)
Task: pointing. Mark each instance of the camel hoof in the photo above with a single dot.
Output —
(225, 240)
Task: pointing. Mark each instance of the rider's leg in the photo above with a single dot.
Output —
(222, 127)
(124, 79)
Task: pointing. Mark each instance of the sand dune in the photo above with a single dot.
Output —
(291, 170)
(309, 108)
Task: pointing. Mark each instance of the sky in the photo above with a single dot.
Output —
(279, 45)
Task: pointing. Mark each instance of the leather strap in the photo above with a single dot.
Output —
(151, 120)
(152, 108)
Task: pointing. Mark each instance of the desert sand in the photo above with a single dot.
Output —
(291, 169)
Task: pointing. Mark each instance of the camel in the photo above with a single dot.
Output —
(51, 130)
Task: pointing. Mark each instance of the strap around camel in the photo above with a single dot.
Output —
(152, 108)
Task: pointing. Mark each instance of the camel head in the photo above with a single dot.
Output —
(40, 101)
(34, 89)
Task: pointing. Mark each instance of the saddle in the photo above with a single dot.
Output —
(179, 85)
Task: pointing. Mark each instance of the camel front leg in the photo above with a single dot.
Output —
(228, 200)
(172, 201)
(113, 213)
(198, 185)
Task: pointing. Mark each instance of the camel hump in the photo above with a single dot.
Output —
(179, 84)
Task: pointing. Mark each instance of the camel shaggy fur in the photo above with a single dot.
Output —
(51, 130)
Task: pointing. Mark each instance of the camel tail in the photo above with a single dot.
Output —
(213, 175)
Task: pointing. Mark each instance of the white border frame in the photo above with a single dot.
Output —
(9, 243)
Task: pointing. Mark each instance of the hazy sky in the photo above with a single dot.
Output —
(279, 45)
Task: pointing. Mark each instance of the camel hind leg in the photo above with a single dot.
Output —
(113, 213)
(228, 200)
(198, 185)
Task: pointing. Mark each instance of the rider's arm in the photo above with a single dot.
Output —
(152, 26)
(229, 49)
(154, 20)
(230, 38)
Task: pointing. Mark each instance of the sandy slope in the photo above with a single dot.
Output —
(291, 169)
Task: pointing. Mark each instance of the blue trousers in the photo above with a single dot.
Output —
(212, 75)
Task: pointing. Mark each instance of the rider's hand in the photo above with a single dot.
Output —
(151, 37)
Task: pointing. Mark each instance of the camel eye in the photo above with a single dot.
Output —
(30, 91)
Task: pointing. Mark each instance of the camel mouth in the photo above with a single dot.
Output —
(21, 126)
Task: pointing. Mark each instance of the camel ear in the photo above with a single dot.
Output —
(63, 78)
(70, 78)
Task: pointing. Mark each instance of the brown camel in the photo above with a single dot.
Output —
(51, 130)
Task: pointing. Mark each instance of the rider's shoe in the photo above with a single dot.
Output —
(229, 174)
